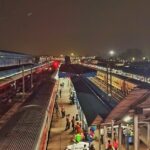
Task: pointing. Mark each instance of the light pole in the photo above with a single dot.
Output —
(109, 75)
(111, 53)
(99, 137)
(127, 119)
(133, 59)
(136, 132)
(144, 58)
(72, 54)
(109, 79)
(23, 82)
(31, 76)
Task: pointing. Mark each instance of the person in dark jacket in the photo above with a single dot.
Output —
(92, 147)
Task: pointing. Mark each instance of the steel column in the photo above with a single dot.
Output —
(136, 132)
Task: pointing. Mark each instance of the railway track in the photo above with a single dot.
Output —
(26, 124)
(117, 95)
(91, 98)
(97, 93)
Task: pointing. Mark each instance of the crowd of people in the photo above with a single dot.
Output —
(79, 134)
(113, 145)
(73, 123)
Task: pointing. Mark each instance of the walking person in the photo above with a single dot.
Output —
(92, 147)
(56, 108)
(67, 122)
(73, 123)
(60, 93)
(62, 111)
(115, 144)
(77, 117)
(78, 128)
(85, 135)
(85, 147)
(109, 146)
(102, 136)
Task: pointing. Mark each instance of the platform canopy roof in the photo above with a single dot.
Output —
(138, 98)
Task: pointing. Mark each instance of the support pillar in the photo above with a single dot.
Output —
(31, 78)
(105, 135)
(107, 81)
(120, 137)
(148, 135)
(136, 133)
(112, 130)
(127, 137)
(23, 82)
(99, 137)
(110, 73)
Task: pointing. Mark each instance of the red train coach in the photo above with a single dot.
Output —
(7, 91)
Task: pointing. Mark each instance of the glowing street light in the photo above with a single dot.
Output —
(109, 72)
(72, 54)
(144, 58)
(111, 53)
(133, 58)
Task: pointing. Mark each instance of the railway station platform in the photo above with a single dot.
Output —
(59, 139)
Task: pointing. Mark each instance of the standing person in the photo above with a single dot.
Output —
(115, 144)
(73, 123)
(57, 108)
(67, 122)
(85, 147)
(78, 128)
(77, 117)
(60, 93)
(92, 147)
(78, 137)
(62, 111)
(109, 146)
(85, 135)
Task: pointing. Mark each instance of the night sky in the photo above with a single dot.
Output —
(85, 27)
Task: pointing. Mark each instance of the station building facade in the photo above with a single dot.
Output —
(8, 58)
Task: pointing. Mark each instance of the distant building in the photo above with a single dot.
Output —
(9, 58)
(94, 61)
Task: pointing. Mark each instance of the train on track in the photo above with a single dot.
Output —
(11, 86)
(32, 120)
(9, 58)
(119, 83)
(31, 123)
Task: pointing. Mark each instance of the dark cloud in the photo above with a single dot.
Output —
(82, 26)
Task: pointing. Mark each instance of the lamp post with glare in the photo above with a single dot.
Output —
(133, 58)
(72, 54)
(109, 76)
(127, 119)
(111, 53)
(144, 58)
